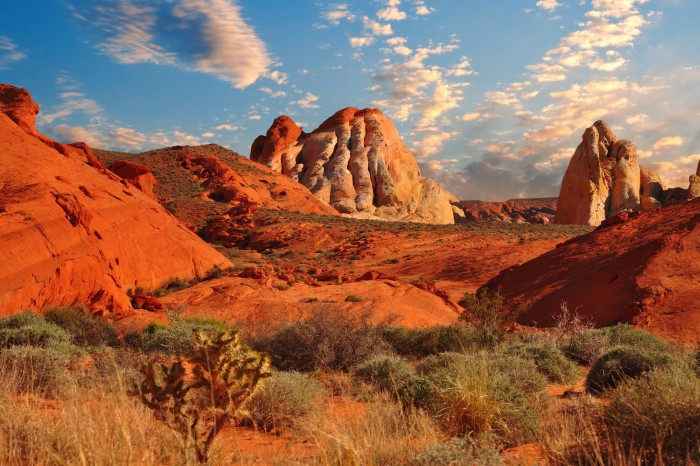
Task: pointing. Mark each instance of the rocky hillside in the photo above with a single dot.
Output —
(539, 211)
(72, 232)
(356, 162)
(639, 267)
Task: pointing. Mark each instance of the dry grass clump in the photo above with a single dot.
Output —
(386, 434)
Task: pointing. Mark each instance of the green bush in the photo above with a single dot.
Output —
(659, 413)
(283, 399)
(549, 359)
(465, 451)
(176, 338)
(328, 340)
(31, 329)
(695, 362)
(85, 330)
(37, 370)
(393, 375)
(626, 335)
(489, 313)
(420, 343)
(486, 393)
(624, 362)
(585, 347)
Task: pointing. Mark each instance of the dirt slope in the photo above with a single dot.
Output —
(644, 270)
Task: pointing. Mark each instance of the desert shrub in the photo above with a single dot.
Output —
(584, 347)
(659, 414)
(85, 330)
(328, 340)
(176, 338)
(37, 370)
(624, 362)
(695, 362)
(393, 375)
(284, 399)
(440, 361)
(461, 451)
(419, 343)
(549, 359)
(489, 314)
(28, 328)
(626, 335)
(484, 393)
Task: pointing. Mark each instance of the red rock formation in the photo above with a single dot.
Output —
(356, 162)
(71, 232)
(641, 267)
(135, 174)
(513, 210)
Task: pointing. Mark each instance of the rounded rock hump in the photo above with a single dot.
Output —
(356, 162)
(73, 233)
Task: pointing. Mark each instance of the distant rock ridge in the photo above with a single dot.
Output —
(604, 178)
(73, 232)
(356, 162)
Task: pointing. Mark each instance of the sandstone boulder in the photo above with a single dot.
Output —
(73, 233)
(604, 179)
(356, 162)
(135, 174)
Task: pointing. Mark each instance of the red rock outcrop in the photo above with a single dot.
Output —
(135, 174)
(603, 179)
(694, 188)
(356, 162)
(513, 210)
(72, 232)
(641, 267)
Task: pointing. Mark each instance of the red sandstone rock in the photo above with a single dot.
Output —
(148, 303)
(71, 233)
(136, 174)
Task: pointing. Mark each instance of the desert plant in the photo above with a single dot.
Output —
(624, 362)
(393, 375)
(659, 414)
(328, 340)
(419, 343)
(485, 393)
(488, 312)
(462, 451)
(549, 359)
(283, 399)
(387, 433)
(37, 370)
(176, 338)
(29, 328)
(224, 374)
(85, 330)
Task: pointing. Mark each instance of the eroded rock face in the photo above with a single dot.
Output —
(136, 174)
(72, 232)
(356, 162)
(694, 187)
(604, 179)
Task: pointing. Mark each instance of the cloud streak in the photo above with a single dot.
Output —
(208, 36)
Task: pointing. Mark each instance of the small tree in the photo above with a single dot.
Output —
(199, 402)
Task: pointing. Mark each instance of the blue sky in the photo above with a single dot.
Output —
(491, 96)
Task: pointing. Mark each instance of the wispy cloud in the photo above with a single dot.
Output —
(9, 53)
(209, 36)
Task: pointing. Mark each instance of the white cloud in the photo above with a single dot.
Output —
(308, 101)
(209, 36)
(548, 5)
(9, 53)
(391, 14)
(432, 144)
(668, 141)
(72, 101)
(375, 28)
(357, 42)
(338, 12)
(226, 127)
(422, 10)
